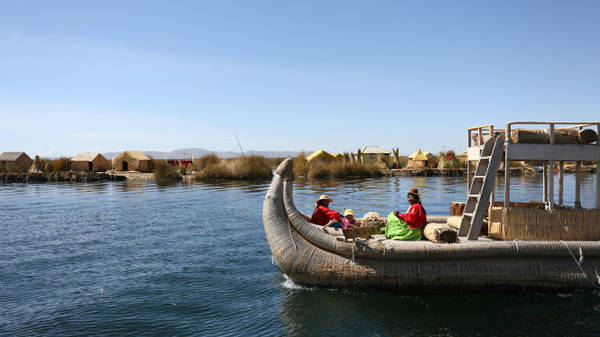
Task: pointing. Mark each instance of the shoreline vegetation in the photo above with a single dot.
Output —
(318, 169)
(65, 176)
(211, 167)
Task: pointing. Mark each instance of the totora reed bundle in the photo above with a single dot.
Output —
(561, 136)
(440, 233)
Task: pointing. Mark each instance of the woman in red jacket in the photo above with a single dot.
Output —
(415, 216)
(324, 216)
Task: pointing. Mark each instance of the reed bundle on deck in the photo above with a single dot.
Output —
(561, 136)
(440, 233)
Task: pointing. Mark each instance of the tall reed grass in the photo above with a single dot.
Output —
(242, 168)
(448, 159)
(164, 172)
(334, 169)
(300, 165)
(54, 165)
(11, 168)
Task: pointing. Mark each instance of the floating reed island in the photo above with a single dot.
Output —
(559, 249)
(375, 161)
(212, 167)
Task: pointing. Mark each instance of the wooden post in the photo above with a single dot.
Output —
(492, 199)
(468, 175)
(551, 173)
(598, 171)
(493, 195)
(507, 167)
(468, 161)
(560, 183)
(578, 184)
(545, 183)
(598, 184)
(469, 138)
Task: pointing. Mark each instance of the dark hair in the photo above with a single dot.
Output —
(414, 196)
(321, 201)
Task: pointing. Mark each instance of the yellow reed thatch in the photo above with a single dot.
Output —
(420, 155)
(320, 155)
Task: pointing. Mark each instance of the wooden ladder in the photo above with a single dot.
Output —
(481, 188)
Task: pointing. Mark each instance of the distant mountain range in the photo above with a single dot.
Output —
(197, 153)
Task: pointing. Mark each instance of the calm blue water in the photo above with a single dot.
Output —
(133, 259)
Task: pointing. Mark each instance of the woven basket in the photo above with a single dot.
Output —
(361, 232)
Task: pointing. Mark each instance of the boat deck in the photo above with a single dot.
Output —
(381, 238)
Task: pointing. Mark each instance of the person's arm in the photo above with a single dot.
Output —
(331, 222)
(333, 215)
(412, 216)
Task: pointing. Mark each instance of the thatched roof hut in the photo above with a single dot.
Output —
(19, 159)
(131, 161)
(338, 156)
(463, 156)
(374, 155)
(320, 155)
(420, 159)
(89, 161)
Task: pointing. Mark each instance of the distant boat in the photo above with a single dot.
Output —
(311, 256)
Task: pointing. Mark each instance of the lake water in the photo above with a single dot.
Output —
(133, 259)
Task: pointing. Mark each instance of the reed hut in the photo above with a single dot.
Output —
(420, 159)
(320, 155)
(375, 155)
(338, 156)
(89, 161)
(462, 157)
(19, 159)
(131, 161)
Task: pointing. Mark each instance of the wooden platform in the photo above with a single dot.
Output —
(548, 153)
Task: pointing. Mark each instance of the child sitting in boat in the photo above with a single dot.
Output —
(348, 220)
(409, 225)
(324, 216)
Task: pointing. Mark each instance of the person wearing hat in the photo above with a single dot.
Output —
(409, 225)
(415, 216)
(348, 220)
(324, 216)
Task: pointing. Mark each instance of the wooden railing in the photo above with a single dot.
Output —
(480, 131)
(548, 167)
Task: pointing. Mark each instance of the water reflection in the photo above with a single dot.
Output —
(329, 312)
(249, 186)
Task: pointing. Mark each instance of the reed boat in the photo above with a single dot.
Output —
(310, 255)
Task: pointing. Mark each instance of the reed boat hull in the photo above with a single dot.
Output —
(310, 256)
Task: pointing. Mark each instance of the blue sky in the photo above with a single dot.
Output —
(113, 75)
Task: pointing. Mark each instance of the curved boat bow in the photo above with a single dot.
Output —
(309, 255)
